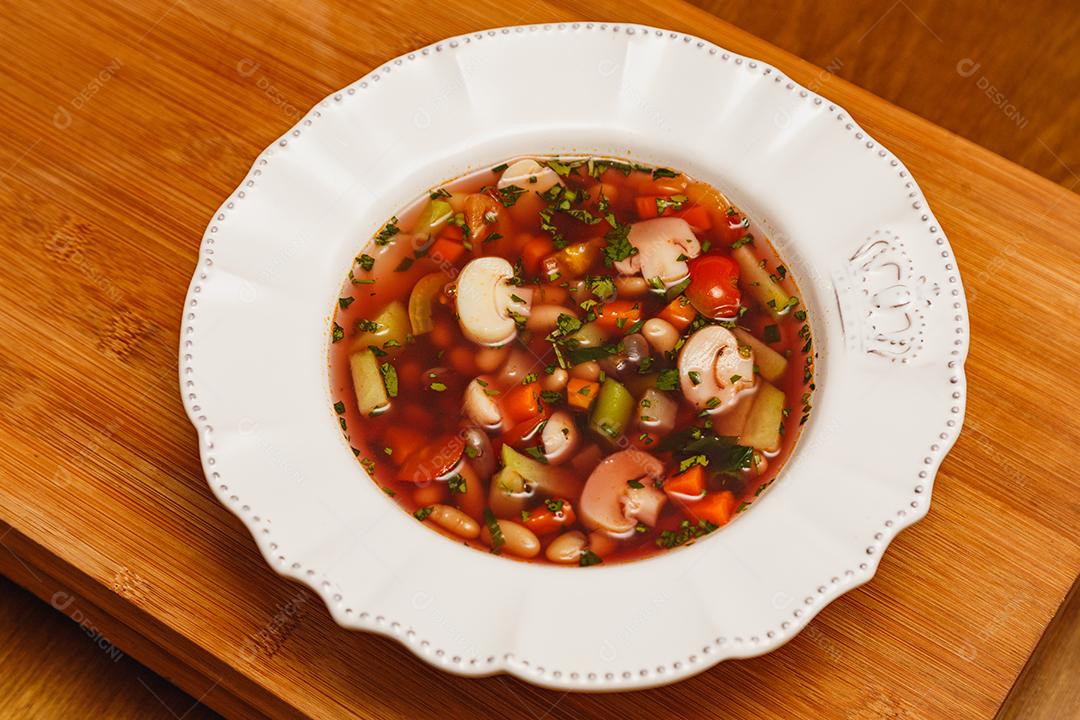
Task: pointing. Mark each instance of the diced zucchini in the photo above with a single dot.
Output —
(761, 286)
(433, 218)
(422, 300)
(393, 327)
(611, 411)
(770, 363)
(762, 430)
(368, 383)
(546, 479)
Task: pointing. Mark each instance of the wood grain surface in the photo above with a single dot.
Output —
(1002, 74)
(124, 128)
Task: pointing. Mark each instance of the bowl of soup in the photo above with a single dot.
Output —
(598, 389)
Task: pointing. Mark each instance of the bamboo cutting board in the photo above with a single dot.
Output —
(123, 130)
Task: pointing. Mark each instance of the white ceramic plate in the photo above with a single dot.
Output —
(877, 275)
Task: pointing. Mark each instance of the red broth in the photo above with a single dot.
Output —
(576, 362)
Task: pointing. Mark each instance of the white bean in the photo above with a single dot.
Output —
(661, 334)
(566, 548)
(556, 381)
(542, 317)
(517, 539)
(586, 371)
(631, 286)
(453, 520)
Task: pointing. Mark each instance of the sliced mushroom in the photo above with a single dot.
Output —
(560, 438)
(609, 502)
(487, 304)
(656, 412)
(481, 406)
(663, 247)
(529, 175)
(714, 369)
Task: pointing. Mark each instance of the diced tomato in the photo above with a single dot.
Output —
(688, 484)
(432, 460)
(534, 252)
(580, 393)
(544, 520)
(452, 232)
(646, 206)
(403, 441)
(525, 433)
(696, 217)
(679, 312)
(717, 508)
(734, 227)
(618, 315)
(714, 286)
(522, 402)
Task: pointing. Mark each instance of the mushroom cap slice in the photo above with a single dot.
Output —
(560, 437)
(714, 370)
(663, 247)
(487, 303)
(523, 172)
(609, 503)
(481, 407)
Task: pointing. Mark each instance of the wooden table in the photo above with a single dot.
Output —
(125, 127)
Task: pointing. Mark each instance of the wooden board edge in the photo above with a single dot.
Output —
(96, 607)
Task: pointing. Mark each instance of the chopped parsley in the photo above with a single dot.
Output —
(345, 302)
(339, 407)
(618, 243)
(663, 173)
(497, 539)
(685, 533)
(437, 386)
(422, 513)
(667, 380)
(509, 195)
(365, 261)
(389, 230)
(338, 333)
(744, 240)
(588, 557)
(457, 485)
(390, 379)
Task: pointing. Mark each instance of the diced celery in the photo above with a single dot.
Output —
(611, 411)
(762, 430)
(770, 363)
(757, 280)
(422, 299)
(433, 218)
(391, 331)
(368, 383)
(546, 479)
(509, 494)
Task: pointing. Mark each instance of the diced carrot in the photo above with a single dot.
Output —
(679, 312)
(445, 250)
(544, 520)
(716, 508)
(522, 402)
(580, 393)
(534, 252)
(646, 206)
(403, 441)
(696, 217)
(689, 484)
(618, 315)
